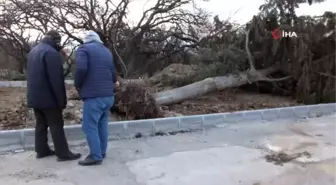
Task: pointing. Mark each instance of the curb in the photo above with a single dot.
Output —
(24, 138)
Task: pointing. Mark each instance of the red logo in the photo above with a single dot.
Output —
(276, 33)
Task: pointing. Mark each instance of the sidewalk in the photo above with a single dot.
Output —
(232, 154)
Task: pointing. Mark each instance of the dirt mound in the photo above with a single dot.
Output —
(178, 70)
(174, 74)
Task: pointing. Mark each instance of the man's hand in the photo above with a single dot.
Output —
(116, 84)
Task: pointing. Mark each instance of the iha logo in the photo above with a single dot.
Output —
(278, 33)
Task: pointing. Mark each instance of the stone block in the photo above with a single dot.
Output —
(167, 124)
(191, 122)
(211, 120)
(140, 127)
(270, 114)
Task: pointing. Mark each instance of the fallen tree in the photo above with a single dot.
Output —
(133, 97)
(218, 83)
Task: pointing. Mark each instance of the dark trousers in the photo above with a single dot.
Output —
(53, 119)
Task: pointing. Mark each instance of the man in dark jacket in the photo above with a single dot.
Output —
(95, 79)
(46, 95)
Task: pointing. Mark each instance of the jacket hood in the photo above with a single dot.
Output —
(91, 36)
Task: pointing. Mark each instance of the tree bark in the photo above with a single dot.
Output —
(200, 88)
(208, 85)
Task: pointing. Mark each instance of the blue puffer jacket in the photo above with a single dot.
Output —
(95, 70)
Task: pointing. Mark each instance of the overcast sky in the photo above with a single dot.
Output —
(244, 9)
(240, 11)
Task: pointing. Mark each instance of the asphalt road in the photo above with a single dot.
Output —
(229, 155)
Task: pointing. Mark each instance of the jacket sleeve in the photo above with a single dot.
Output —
(55, 75)
(81, 67)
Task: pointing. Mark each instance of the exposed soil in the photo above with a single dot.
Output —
(230, 101)
(13, 110)
(10, 96)
(14, 114)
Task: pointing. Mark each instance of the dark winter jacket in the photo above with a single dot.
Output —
(45, 79)
(95, 71)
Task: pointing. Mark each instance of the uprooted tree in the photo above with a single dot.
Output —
(228, 56)
(298, 67)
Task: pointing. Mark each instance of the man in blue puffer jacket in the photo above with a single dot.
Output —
(95, 80)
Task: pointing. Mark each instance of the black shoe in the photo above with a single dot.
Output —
(88, 161)
(103, 155)
(50, 153)
(71, 157)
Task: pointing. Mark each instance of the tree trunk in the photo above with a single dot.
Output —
(200, 88)
(205, 86)
(213, 84)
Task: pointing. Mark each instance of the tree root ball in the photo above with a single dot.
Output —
(135, 101)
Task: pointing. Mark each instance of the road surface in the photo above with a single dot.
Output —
(229, 155)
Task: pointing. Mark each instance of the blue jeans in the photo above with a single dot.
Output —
(95, 124)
